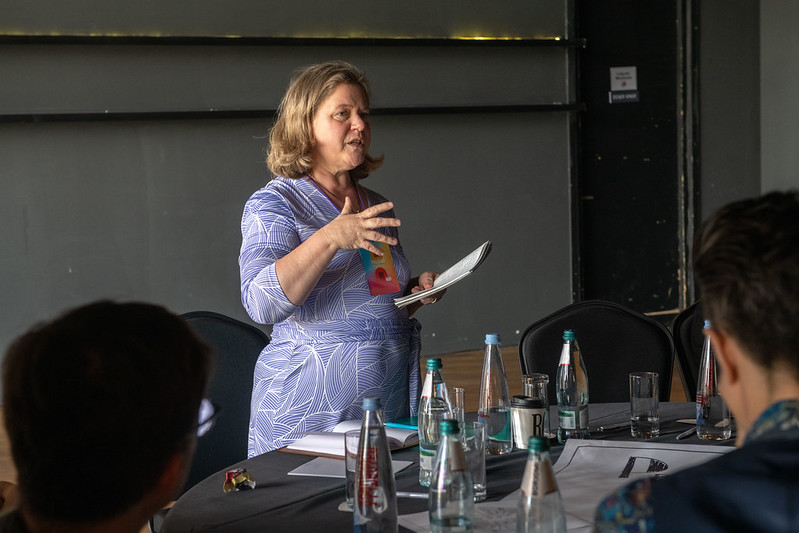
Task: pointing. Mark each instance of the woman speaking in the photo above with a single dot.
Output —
(321, 260)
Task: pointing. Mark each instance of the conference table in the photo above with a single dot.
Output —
(282, 502)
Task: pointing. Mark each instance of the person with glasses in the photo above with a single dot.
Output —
(746, 264)
(102, 407)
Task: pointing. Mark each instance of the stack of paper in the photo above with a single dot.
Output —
(452, 275)
(331, 443)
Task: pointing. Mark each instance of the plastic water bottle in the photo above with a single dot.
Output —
(494, 407)
(375, 502)
(540, 508)
(451, 490)
(572, 390)
(434, 407)
(712, 413)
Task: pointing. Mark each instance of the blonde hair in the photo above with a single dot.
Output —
(291, 137)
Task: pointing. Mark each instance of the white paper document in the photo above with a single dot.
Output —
(331, 443)
(586, 472)
(330, 467)
(452, 275)
(589, 470)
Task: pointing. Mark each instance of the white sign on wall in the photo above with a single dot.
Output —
(623, 85)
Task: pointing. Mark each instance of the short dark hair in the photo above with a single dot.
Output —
(746, 264)
(95, 404)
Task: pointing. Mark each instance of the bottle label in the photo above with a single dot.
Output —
(457, 459)
(567, 419)
(426, 459)
(367, 487)
(538, 479)
(582, 418)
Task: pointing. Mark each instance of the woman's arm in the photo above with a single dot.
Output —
(300, 270)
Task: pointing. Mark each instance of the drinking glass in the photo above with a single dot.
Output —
(474, 449)
(536, 386)
(644, 408)
(351, 440)
(458, 407)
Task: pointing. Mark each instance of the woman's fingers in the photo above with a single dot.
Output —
(377, 209)
(352, 231)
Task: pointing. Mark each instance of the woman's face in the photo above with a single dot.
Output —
(341, 131)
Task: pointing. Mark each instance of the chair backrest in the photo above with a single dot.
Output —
(236, 346)
(614, 341)
(688, 339)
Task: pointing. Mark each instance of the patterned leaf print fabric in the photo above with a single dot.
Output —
(341, 345)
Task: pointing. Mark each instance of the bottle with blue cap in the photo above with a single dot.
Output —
(451, 503)
(494, 405)
(434, 406)
(712, 413)
(375, 502)
(571, 386)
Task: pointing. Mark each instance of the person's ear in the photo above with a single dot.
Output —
(725, 355)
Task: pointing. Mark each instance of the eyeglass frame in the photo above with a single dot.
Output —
(206, 416)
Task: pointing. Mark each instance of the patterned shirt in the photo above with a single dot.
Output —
(341, 344)
(630, 508)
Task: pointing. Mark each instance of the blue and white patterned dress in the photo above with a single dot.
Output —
(341, 345)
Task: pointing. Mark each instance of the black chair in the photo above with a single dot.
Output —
(688, 339)
(614, 341)
(236, 346)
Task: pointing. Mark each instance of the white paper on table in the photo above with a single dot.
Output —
(490, 517)
(332, 467)
(586, 472)
(589, 470)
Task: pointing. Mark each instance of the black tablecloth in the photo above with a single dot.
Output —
(308, 504)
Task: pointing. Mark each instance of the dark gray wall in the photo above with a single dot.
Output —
(729, 103)
(150, 209)
(779, 87)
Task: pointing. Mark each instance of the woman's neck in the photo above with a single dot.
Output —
(337, 188)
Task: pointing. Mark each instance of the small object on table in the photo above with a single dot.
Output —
(687, 433)
(417, 495)
(238, 479)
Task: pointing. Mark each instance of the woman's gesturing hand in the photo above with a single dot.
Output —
(356, 230)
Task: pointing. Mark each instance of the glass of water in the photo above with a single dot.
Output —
(644, 407)
(351, 440)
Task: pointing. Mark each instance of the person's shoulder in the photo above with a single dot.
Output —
(278, 190)
(627, 509)
(11, 522)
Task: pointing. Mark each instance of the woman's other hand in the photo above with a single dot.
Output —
(424, 281)
(350, 231)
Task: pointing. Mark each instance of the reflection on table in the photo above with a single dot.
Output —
(281, 502)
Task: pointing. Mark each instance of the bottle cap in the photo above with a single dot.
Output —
(568, 335)
(449, 427)
(434, 364)
(538, 444)
(707, 324)
(492, 338)
(371, 404)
